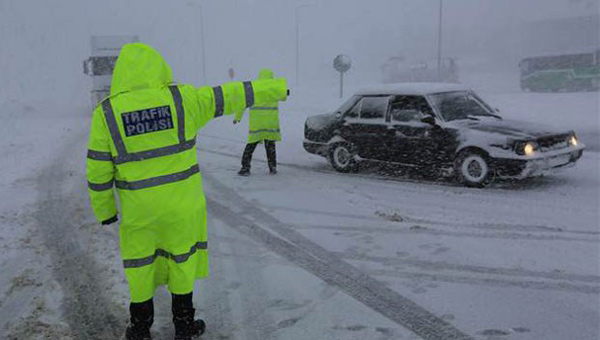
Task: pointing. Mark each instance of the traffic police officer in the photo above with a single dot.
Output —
(264, 127)
(143, 142)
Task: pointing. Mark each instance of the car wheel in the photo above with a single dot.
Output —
(341, 156)
(472, 169)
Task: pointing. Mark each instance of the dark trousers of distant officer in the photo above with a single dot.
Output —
(271, 155)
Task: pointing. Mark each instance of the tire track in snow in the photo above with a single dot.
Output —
(441, 266)
(489, 281)
(414, 229)
(90, 314)
(458, 225)
(287, 243)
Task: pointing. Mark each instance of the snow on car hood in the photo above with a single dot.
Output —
(320, 122)
(513, 129)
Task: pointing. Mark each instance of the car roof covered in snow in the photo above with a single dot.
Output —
(411, 89)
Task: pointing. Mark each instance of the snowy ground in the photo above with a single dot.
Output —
(31, 291)
(310, 253)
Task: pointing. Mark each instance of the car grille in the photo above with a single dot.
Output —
(553, 142)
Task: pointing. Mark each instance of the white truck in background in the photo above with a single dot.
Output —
(100, 65)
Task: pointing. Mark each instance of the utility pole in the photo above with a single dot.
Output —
(439, 48)
(202, 44)
(342, 64)
(341, 85)
(297, 17)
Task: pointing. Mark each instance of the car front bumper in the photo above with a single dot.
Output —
(322, 148)
(316, 148)
(537, 166)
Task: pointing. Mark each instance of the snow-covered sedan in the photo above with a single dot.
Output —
(445, 129)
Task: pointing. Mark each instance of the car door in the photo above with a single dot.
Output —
(365, 127)
(411, 141)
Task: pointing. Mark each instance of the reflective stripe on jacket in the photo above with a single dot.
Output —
(143, 142)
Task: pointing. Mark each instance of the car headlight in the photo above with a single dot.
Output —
(529, 149)
(573, 141)
(526, 148)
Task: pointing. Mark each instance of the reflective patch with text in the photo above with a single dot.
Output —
(147, 120)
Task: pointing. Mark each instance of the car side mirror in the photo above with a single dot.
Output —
(428, 120)
(338, 114)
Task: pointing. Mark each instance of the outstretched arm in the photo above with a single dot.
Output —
(235, 97)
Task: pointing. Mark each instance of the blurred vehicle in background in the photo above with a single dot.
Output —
(566, 72)
(440, 130)
(400, 70)
(561, 54)
(100, 65)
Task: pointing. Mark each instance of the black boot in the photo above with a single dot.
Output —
(136, 333)
(186, 327)
(244, 172)
(188, 331)
(142, 317)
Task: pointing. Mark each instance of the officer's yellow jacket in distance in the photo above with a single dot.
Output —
(264, 117)
(143, 142)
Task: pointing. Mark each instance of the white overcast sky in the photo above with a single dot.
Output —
(45, 42)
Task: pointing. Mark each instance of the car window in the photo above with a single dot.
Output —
(406, 115)
(409, 108)
(374, 107)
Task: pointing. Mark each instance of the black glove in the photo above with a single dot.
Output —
(111, 220)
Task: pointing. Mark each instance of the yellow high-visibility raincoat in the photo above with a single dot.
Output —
(264, 117)
(143, 142)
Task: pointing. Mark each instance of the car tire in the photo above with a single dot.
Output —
(472, 169)
(341, 156)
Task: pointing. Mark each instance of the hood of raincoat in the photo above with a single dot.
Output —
(139, 66)
(266, 73)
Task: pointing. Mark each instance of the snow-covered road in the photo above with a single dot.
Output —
(308, 253)
(504, 262)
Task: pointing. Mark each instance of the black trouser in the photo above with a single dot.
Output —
(142, 313)
(271, 155)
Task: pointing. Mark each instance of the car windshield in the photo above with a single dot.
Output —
(347, 104)
(461, 105)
